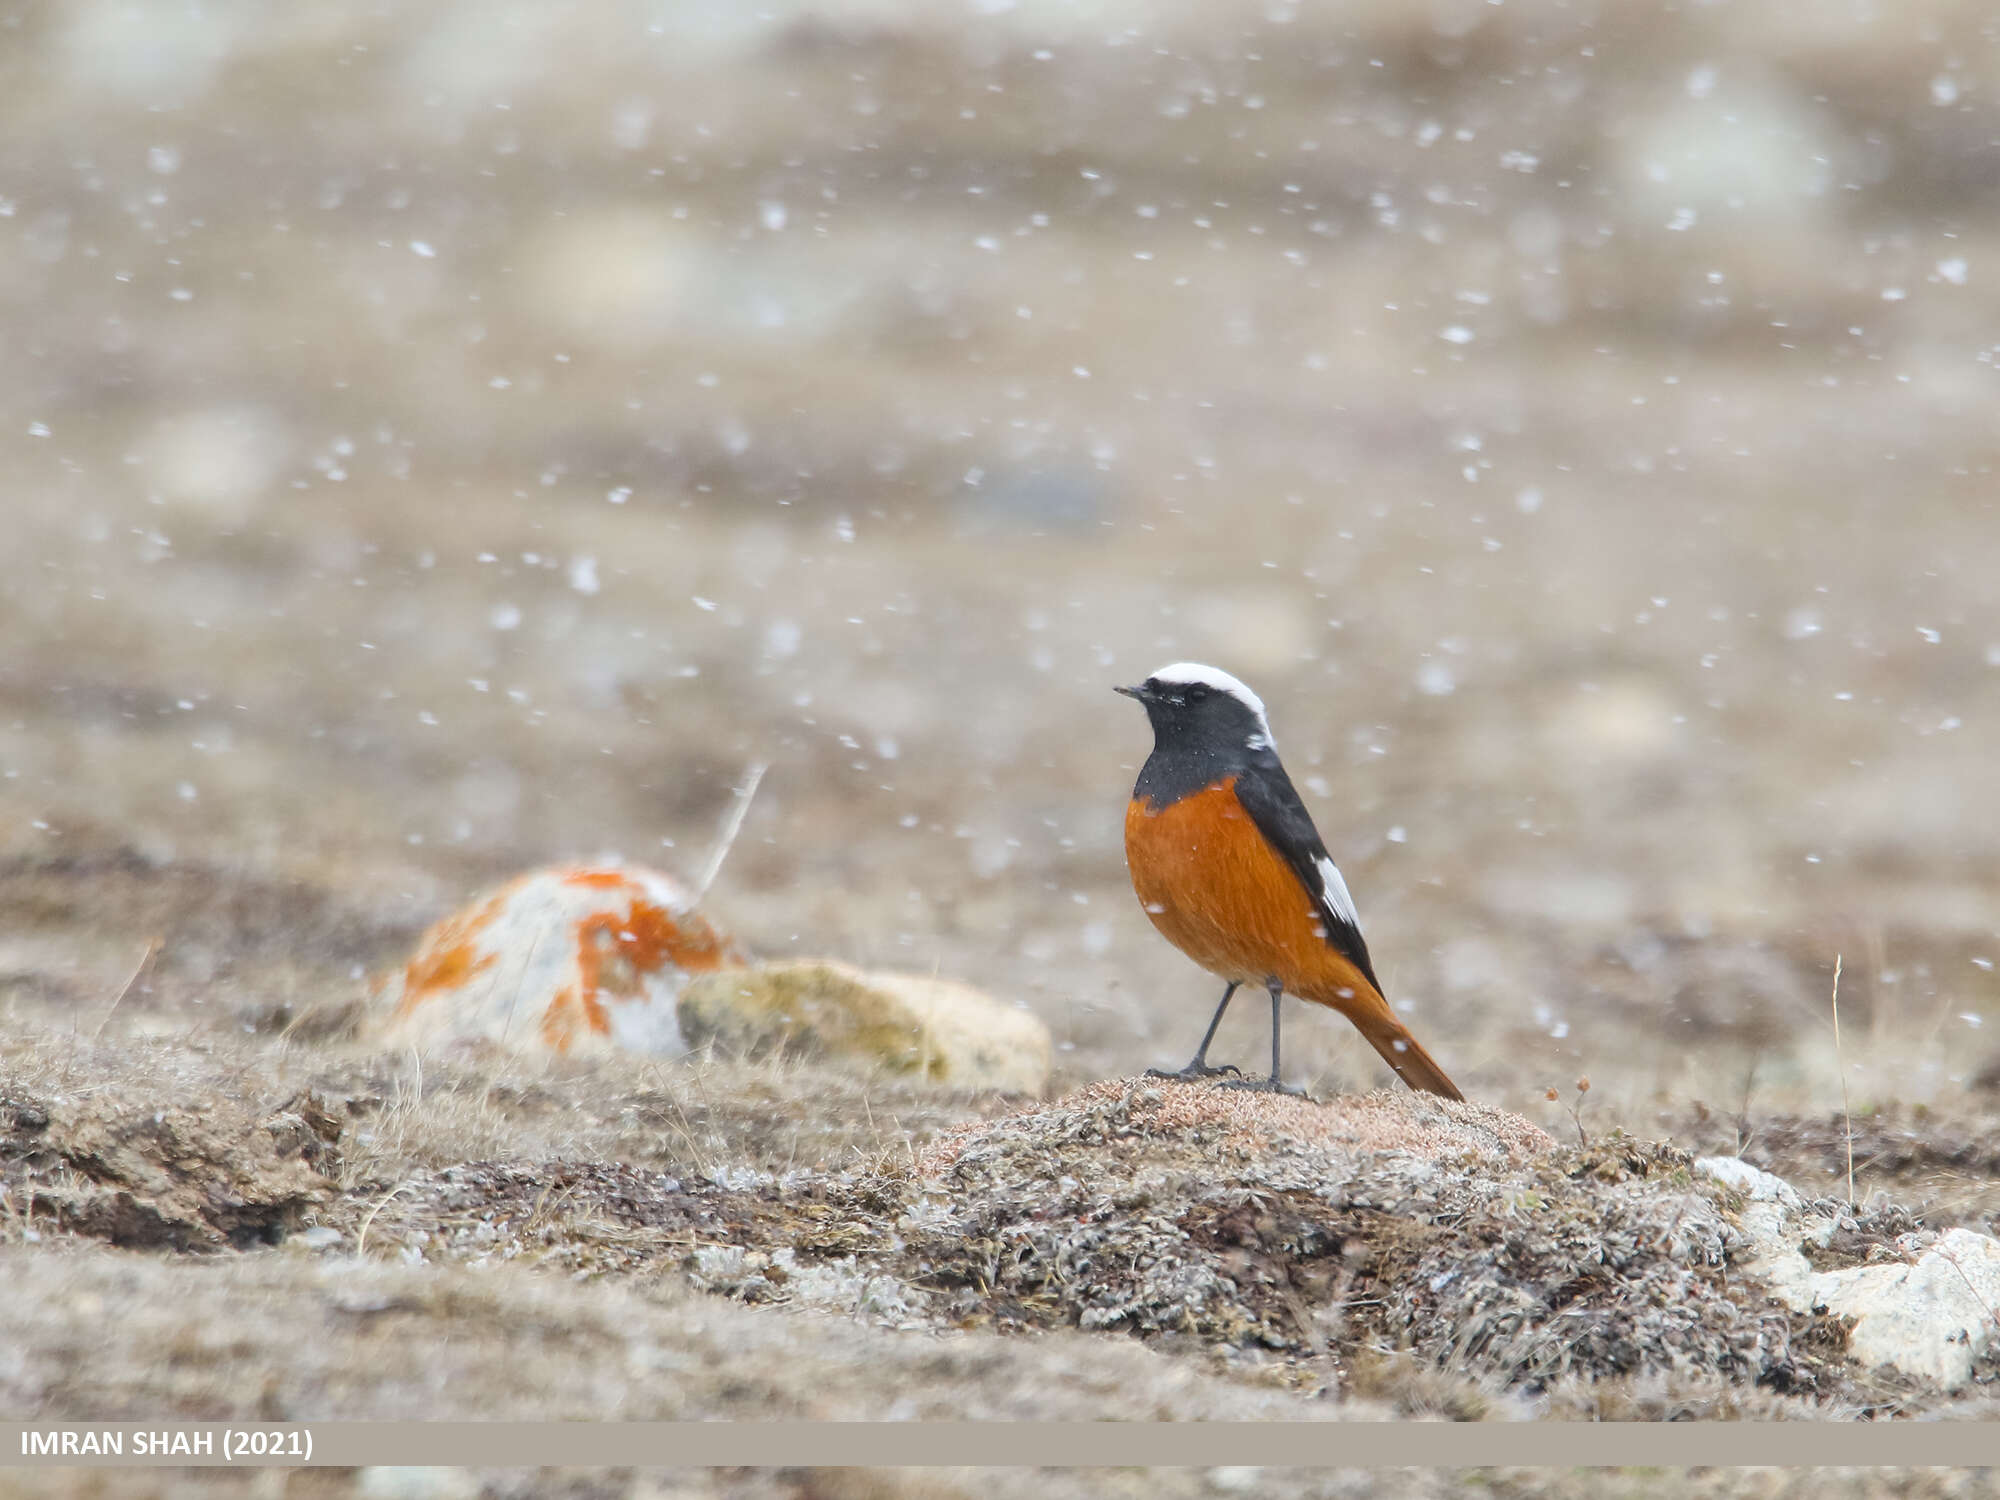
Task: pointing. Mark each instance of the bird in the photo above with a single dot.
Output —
(1227, 863)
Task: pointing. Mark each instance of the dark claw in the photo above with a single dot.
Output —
(1194, 1071)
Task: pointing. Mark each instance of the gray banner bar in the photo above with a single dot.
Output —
(1004, 1444)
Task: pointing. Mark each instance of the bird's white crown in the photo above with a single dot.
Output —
(1183, 673)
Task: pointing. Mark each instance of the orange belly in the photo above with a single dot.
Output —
(1223, 896)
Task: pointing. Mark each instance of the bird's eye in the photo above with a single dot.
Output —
(1196, 692)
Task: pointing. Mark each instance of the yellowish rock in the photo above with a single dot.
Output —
(907, 1025)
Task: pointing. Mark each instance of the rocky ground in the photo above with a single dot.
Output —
(222, 1229)
(441, 443)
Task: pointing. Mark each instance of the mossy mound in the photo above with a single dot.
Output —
(1455, 1234)
(1314, 1241)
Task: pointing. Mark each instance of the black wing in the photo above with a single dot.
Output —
(1267, 794)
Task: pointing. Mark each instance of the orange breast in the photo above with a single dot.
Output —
(1223, 896)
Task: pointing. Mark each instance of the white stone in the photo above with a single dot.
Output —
(1930, 1319)
(1753, 1182)
(1931, 1315)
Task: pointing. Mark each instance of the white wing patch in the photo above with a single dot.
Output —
(1333, 891)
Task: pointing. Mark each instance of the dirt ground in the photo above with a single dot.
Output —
(439, 442)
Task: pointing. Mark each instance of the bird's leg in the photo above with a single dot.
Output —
(1271, 1085)
(1200, 1068)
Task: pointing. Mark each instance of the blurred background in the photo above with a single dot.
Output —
(443, 438)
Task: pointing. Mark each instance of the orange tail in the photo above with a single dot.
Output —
(1372, 1017)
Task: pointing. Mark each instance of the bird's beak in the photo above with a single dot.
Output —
(1131, 692)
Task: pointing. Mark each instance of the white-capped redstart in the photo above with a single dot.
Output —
(1227, 863)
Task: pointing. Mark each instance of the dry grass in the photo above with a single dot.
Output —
(504, 1342)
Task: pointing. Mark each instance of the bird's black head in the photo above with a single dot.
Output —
(1203, 712)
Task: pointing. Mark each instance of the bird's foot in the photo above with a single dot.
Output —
(1195, 1071)
(1263, 1086)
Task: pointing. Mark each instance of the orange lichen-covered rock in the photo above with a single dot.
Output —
(569, 959)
